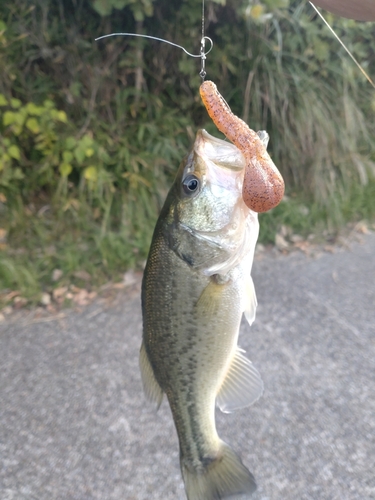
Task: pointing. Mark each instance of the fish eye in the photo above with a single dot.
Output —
(191, 184)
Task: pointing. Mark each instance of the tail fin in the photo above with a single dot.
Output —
(224, 477)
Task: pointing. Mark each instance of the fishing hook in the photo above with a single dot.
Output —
(202, 53)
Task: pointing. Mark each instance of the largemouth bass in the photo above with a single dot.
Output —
(196, 287)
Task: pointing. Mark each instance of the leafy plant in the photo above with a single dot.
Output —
(91, 133)
(28, 143)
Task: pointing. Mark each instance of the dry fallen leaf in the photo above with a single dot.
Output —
(59, 293)
(285, 230)
(11, 295)
(7, 310)
(304, 246)
(296, 238)
(19, 302)
(81, 298)
(330, 249)
(82, 275)
(361, 227)
(45, 299)
(281, 242)
(56, 274)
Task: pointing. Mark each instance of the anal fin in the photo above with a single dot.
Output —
(242, 385)
(151, 387)
(251, 301)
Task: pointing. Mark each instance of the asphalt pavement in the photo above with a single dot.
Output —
(74, 423)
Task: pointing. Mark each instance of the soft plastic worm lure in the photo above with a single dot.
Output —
(263, 186)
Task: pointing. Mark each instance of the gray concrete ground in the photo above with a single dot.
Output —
(74, 423)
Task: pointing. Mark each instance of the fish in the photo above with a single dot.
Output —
(196, 287)
(263, 187)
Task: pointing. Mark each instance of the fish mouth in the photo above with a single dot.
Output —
(224, 154)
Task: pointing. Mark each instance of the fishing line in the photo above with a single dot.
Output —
(202, 54)
(164, 41)
(202, 72)
(203, 19)
(342, 43)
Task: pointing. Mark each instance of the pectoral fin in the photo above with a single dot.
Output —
(251, 301)
(151, 387)
(242, 385)
(212, 299)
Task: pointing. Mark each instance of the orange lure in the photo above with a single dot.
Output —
(263, 186)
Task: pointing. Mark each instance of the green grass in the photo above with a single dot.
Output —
(310, 217)
(39, 244)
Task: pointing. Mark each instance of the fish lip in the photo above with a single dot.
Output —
(221, 152)
(212, 138)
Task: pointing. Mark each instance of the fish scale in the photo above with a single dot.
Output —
(196, 286)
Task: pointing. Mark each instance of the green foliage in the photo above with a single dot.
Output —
(139, 8)
(28, 143)
(316, 111)
(91, 133)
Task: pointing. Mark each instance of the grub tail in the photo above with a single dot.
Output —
(263, 186)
